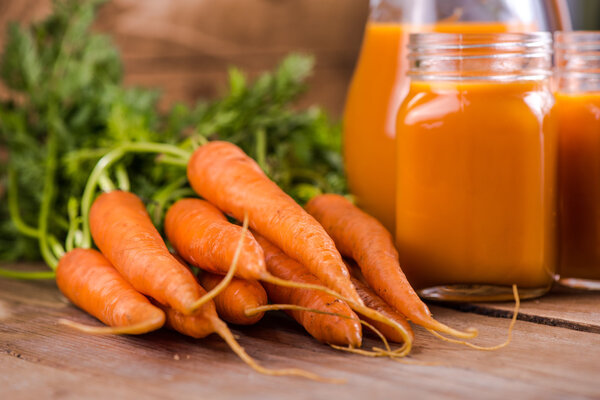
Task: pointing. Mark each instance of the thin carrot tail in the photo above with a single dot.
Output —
(136, 329)
(230, 274)
(400, 352)
(489, 348)
(222, 330)
(360, 308)
(436, 326)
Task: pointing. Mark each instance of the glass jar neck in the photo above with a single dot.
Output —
(500, 57)
(577, 59)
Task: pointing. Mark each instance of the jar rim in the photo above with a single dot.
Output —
(460, 41)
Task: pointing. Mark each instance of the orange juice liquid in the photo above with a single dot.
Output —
(579, 184)
(378, 87)
(476, 198)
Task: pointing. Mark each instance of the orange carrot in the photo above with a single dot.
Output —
(123, 231)
(203, 237)
(236, 298)
(373, 301)
(325, 328)
(359, 236)
(90, 282)
(224, 175)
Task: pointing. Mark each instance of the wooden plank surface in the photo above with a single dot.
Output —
(569, 308)
(39, 358)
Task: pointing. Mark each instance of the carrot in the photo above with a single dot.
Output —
(224, 175)
(124, 233)
(325, 328)
(90, 282)
(359, 236)
(203, 237)
(372, 300)
(239, 296)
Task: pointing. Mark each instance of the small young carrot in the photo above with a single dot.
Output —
(372, 300)
(224, 175)
(90, 282)
(240, 295)
(124, 233)
(325, 328)
(359, 236)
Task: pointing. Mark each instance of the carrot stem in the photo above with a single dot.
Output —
(13, 207)
(222, 330)
(105, 183)
(74, 220)
(230, 273)
(7, 273)
(106, 162)
(122, 178)
(46, 205)
(489, 348)
(136, 329)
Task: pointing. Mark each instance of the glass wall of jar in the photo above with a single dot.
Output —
(379, 83)
(476, 166)
(578, 109)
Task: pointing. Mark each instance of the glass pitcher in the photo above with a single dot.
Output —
(379, 84)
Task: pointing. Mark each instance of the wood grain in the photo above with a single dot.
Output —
(569, 308)
(39, 358)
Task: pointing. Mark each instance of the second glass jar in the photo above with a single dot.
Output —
(476, 167)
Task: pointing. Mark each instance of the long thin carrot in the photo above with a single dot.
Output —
(325, 328)
(90, 282)
(363, 238)
(224, 175)
(240, 295)
(372, 300)
(123, 231)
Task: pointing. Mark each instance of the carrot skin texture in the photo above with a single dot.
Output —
(236, 298)
(325, 328)
(90, 282)
(197, 326)
(361, 237)
(204, 238)
(224, 175)
(124, 233)
(376, 303)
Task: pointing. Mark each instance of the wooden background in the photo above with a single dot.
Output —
(185, 46)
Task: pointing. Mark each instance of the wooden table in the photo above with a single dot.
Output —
(555, 353)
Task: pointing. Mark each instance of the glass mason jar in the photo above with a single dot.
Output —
(476, 166)
(578, 109)
(379, 83)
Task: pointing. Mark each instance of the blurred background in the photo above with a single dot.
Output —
(185, 46)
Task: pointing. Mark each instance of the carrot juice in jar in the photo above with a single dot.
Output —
(379, 84)
(476, 166)
(578, 109)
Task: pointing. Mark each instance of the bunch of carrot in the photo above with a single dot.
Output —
(291, 256)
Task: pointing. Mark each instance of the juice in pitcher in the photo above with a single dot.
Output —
(379, 84)
(476, 168)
